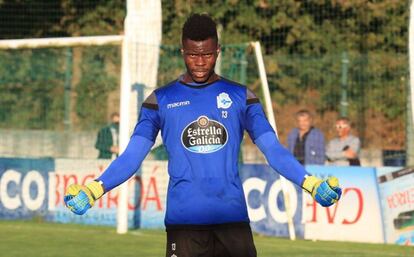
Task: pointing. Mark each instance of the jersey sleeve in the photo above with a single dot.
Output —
(149, 123)
(256, 121)
(280, 159)
(355, 145)
(123, 167)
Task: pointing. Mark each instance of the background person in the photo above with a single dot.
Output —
(306, 142)
(107, 140)
(344, 149)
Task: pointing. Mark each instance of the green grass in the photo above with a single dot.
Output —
(38, 239)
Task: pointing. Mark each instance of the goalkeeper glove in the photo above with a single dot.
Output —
(80, 198)
(325, 192)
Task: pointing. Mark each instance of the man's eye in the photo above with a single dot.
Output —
(207, 55)
(192, 55)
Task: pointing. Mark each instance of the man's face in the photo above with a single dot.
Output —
(342, 128)
(200, 58)
(115, 119)
(304, 122)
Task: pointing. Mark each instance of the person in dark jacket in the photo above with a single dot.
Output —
(107, 140)
(306, 142)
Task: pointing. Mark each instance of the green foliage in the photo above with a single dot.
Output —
(95, 84)
(50, 18)
(303, 42)
(31, 89)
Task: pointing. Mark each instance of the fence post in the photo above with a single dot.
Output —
(344, 85)
(68, 87)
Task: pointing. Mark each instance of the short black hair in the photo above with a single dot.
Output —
(303, 112)
(345, 119)
(199, 27)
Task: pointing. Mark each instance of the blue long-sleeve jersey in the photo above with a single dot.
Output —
(202, 128)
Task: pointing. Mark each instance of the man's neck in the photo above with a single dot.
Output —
(342, 138)
(186, 78)
(303, 132)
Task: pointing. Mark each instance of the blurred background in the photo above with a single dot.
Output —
(60, 105)
(335, 58)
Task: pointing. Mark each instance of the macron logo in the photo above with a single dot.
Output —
(178, 104)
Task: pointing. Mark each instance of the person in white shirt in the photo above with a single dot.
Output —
(344, 149)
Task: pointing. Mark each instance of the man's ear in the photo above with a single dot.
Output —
(182, 51)
(218, 49)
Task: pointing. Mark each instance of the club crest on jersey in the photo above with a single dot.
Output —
(223, 101)
(204, 136)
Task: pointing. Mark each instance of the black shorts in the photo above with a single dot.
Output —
(223, 240)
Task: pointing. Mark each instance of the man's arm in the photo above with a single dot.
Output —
(80, 198)
(325, 192)
(123, 167)
(291, 140)
(263, 135)
(357, 145)
(280, 159)
(320, 147)
(333, 152)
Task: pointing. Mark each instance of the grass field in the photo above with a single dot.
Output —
(37, 239)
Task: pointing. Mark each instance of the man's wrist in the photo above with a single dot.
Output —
(96, 189)
(309, 183)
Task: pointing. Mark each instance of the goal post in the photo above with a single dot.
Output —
(124, 128)
(142, 42)
(410, 89)
(61, 42)
(125, 97)
(269, 110)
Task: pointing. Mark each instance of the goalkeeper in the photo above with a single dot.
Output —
(202, 117)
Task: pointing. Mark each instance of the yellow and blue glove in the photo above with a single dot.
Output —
(325, 192)
(80, 198)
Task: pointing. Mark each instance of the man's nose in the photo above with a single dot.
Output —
(200, 61)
